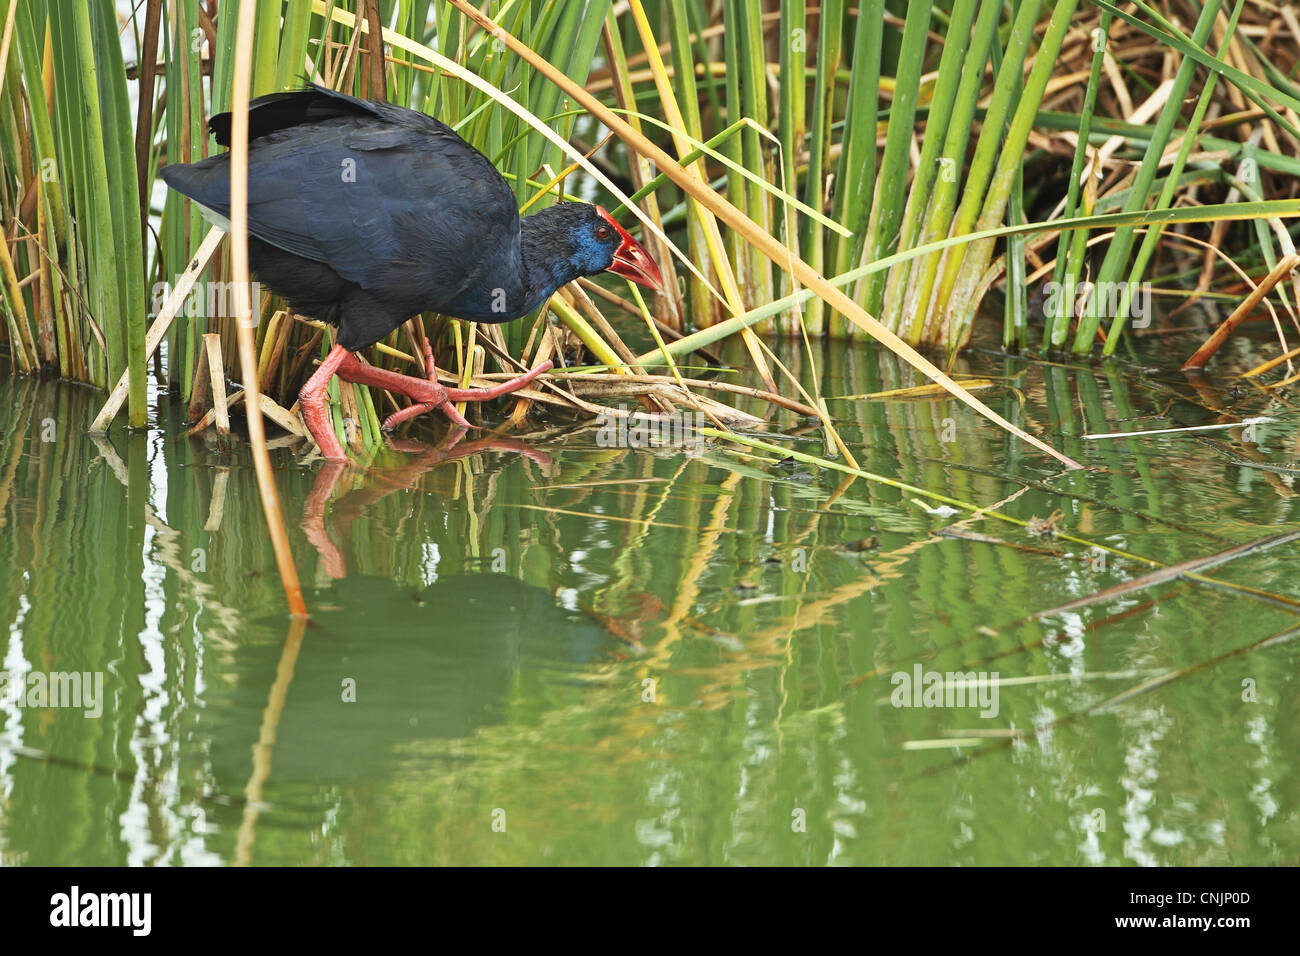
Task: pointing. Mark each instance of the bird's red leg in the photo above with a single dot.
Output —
(312, 401)
(428, 393)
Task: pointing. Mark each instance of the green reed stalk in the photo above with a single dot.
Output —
(960, 311)
(952, 64)
(1071, 247)
(1166, 198)
(855, 177)
(812, 243)
(887, 207)
(1117, 251)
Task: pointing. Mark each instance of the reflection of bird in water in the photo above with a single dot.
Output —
(382, 482)
(384, 666)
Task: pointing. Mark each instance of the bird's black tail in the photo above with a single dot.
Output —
(277, 111)
(207, 182)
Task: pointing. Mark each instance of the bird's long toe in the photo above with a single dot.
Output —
(444, 398)
(410, 411)
(454, 414)
(505, 388)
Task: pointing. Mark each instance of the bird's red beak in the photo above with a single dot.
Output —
(632, 261)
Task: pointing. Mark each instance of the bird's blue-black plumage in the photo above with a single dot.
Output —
(363, 214)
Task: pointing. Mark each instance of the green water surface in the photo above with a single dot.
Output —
(586, 654)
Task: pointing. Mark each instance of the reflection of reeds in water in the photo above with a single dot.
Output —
(768, 603)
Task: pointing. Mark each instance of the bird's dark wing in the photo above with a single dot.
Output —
(387, 197)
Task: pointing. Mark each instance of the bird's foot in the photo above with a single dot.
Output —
(411, 411)
(427, 393)
(442, 398)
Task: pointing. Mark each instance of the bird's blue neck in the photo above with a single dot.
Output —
(548, 258)
(547, 261)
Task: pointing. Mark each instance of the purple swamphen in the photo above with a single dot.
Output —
(363, 214)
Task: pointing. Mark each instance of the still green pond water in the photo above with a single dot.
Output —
(581, 654)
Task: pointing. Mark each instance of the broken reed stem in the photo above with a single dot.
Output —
(171, 307)
(217, 381)
(243, 307)
(289, 421)
(1215, 341)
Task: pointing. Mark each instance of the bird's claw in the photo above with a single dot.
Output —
(444, 398)
(427, 393)
(452, 412)
(411, 411)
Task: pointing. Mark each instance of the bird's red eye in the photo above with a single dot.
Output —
(602, 232)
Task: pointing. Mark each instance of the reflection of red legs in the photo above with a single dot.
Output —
(426, 393)
(381, 482)
(451, 448)
(313, 518)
